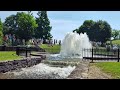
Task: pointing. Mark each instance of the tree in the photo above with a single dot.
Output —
(115, 33)
(99, 31)
(27, 24)
(22, 25)
(87, 27)
(44, 28)
(102, 31)
(76, 30)
(9, 26)
(1, 33)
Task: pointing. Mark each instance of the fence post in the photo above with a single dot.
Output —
(118, 54)
(26, 51)
(92, 54)
(17, 51)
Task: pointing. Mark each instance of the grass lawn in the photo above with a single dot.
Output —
(116, 42)
(50, 49)
(8, 55)
(112, 68)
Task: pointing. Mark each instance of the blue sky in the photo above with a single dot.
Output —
(66, 21)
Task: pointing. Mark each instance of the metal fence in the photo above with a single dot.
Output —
(94, 53)
(23, 51)
(101, 54)
(87, 54)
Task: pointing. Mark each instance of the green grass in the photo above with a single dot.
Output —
(112, 68)
(116, 42)
(8, 55)
(50, 49)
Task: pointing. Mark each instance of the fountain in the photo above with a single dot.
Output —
(72, 46)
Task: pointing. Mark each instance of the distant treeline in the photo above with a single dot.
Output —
(25, 26)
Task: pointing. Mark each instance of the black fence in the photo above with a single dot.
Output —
(87, 54)
(13, 48)
(23, 51)
(101, 54)
(7, 48)
(20, 50)
(94, 54)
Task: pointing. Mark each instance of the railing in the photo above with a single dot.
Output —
(101, 54)
(23, 51)
(7, 48)
(87, 54)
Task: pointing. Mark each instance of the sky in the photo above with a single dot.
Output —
(66, 21)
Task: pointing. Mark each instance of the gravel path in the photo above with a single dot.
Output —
(95, 73)
(80, 72)
(86, 71)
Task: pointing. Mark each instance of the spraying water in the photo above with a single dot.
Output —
(73, 45)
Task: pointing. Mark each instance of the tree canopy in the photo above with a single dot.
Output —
(22, 25)
(44, 28)
(10, 24)
(26, 25)
(115, 34)
(99, 31)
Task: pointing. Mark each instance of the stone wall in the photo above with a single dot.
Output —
(17, 64)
